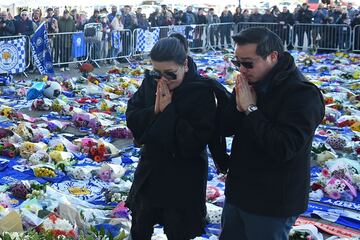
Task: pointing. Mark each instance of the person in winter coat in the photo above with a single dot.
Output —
(225, 29)
(268, 17)
(214, 32)
(66, 25)
(255, 16)
(7, 27)
(24, 25)
(304, 16)
(173, 120)
(285, 19)
(273, 114)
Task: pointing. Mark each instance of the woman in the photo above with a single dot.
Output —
(173, 119)
(116, 34)
(238, 16)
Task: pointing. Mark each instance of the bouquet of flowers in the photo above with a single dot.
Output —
(339, 179)
(58, 227)
(94, 149)
(86, 68)
(8, 150)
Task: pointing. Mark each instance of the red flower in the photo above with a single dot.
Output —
(11, 154)
(316, 186)
(53, 217)
(93, 151)
(97, 158)
(86, 68)
(325, 172)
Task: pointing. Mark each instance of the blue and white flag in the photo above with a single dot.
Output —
(41, 50)
(145, 39)
(12, 56)
(78, 45)
(116, 39)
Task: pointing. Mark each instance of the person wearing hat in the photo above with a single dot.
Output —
(66, 24)
(24, 25)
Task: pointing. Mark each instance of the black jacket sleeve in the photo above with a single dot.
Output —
(185, 135)
(231, 118)
(294, 126)
(140, 111)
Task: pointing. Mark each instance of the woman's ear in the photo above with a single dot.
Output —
(186, 66)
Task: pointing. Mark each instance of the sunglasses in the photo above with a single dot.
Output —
(238, 64)
(158, 75)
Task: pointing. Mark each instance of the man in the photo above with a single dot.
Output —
(66, 25)
(225, 29)
(112, 15)
(7, 27)
(138, 13)
(304, 16)
(268, 17)
(352, 12)
(255, 16)
(212, 18)
(24, 25)
(273, 114)
(56, 13)
(285, 19)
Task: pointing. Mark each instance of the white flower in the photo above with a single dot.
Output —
(124, 198)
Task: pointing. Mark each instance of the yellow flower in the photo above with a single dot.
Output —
(59, 147)
(6, 111)
(79, 191)
(55, 156)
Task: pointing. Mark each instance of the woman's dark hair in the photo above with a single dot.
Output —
(168, 49)
(266, 41)
(182, 40)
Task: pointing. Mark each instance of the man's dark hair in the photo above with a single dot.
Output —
(266, 40)
(182, 40)
(168, 49)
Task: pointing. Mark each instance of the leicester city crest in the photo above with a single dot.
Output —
(8, 56)
(39, 41)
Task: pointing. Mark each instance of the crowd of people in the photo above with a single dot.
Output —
(127, 19)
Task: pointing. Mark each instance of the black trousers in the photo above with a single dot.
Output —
(179, 223)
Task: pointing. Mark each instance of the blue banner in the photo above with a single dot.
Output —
(116, 39)
(78, 45)
(41, 51)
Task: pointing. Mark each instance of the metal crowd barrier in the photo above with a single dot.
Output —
(67, 49)
(322, 36)
(10, 57)
(356, 39)
(196, 35)
(219, 33)
(114, 45)
(282, 30)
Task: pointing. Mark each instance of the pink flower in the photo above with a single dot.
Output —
(325, 172)
(335, 195)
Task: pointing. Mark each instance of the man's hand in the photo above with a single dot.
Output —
(245, 94)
